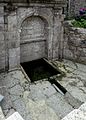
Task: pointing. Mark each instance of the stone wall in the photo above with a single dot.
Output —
(79, 4)
(73, 7)
(75, 43)
(2, 41)
(29, 32)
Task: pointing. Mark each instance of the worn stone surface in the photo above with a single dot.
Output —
(78, 114)
(75, 115)
(40, 111)
(15, 116)
(1, 115)
(6, 104)
(25, 97)
(20, 91)
(74, 78)
(83, 107)
(2, 42)
(59, 104)
(75, 43)
(72, 101)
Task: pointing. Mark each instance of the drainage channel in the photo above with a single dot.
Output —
(41, 69)
(57, 86)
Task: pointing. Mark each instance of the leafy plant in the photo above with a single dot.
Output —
(79, 23)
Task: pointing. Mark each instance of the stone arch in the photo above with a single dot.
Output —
(33, 38)
(40, 19)
(33, 12)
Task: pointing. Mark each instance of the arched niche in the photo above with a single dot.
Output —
(33, 38)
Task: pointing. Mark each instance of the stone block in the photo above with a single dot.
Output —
(74, 48)
(14, 58)
(12, 35)
(72, 101)
(75, 115)
(2, 47)
(15, 116)
(2, 62)
(1, 36)
(1, 115)
(14, 39)
(6, 103)
(1, 19)
(1, 27)
(41, 111)
(68, 54)
(83, 107)
(32, 51)
(1, 9)
(12, 23)
(59, 104)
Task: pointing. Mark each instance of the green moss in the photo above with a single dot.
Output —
(61, 77)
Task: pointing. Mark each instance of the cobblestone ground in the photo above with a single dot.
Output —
(39, 101)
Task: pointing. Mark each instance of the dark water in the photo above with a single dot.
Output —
(39, 69)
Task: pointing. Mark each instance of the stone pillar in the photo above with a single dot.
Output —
(14, 41)
(2, 42)
(58, 34)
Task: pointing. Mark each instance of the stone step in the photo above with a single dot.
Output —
(59, 105)
(75, 115)
(72, 101)
(1, 114)
(55, 100)
(15, 116)
(39, 110)
(6, 104)
(83, 107)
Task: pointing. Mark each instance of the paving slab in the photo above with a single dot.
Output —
(1, 115)
(83, 107)
(20, 107)
(40, 111)
(74, 81)
(41, 90)
(6, 103)
(59, 105)
(19, 92)
(72, 101)
(15, 116)
(75, 115)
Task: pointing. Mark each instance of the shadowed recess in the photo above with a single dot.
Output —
(39, 69)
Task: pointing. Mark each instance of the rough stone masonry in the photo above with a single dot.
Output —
(30, 30)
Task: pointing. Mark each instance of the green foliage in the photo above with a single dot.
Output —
(79, 23)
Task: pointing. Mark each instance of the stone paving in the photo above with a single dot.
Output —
(77, 114)
(75, 78)
(1, 115)
(40, 100)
